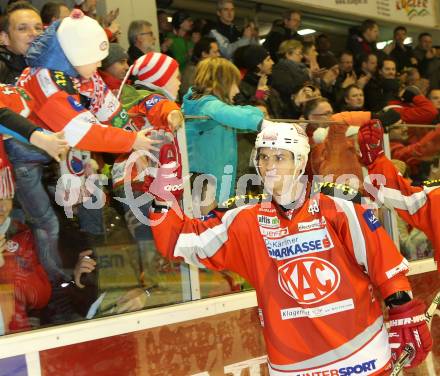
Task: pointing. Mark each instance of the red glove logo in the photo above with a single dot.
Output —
(167, 186)
(370, 140)
(408, 326)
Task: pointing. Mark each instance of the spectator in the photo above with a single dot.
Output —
(165, 28)
(182, 45)
(283, 30)
(369, 81)
(19, 265)
(114, 67)
(78, 41)
(362, 41)
(389, 82)
(140, 38)
(434, 97)
(19, 27)
(111, 26)
(257, 64)
(428, 62)
(347, 76)
(310, 57)
(289, 74)
(212, 144)
(206, 47)
(52, 11)
(401, 53)
(151, 104)
(353, 99)
(226, 34)
(326, 58)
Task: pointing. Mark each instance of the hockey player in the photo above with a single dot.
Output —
(313, 262)
(415, 205)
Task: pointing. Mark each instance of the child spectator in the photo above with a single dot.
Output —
(114, 67)
(150, 103)
(69, 95)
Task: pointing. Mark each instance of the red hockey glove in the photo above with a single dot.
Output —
(167, 186)
(370, 139)
(408, 326)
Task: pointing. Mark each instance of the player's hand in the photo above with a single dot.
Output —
(370, 139)
(408, 326)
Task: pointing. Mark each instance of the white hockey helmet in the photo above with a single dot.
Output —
(286, 136)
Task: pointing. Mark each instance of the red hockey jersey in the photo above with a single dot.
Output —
(415, 205)
(313, 270)
(57, 106)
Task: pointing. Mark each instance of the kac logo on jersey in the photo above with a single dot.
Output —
(299, 244)
(308, 280)
(153, 100)
(372, 222)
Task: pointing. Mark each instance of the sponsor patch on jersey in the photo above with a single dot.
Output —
(63, 81)
(403, 266)
(120, 119)
(153, 100)
(78, 107)
(308, 280)
(274, 233)
(324, 310)
(312, 225)
(371, 220)
(299, 244)
(268, 221)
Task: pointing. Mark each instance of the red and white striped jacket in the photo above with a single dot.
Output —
(57, 106)
(313, 269)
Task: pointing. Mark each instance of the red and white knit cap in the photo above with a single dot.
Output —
(154, 69)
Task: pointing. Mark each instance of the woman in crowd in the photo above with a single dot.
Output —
(212, 144)
(289, 74)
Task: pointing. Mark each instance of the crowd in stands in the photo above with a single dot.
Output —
(107, 103)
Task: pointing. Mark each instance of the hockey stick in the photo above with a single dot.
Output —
(408, 350)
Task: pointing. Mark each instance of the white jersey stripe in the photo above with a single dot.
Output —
(356, 233)
(374, 344)
(393, 198)
(194, 246)
(78, 127)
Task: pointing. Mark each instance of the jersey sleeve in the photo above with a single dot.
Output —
(374, 251)
(411, 203)
(216, 243)
(157, 108)
(15, 125)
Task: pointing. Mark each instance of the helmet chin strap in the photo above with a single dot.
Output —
(289, 192)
